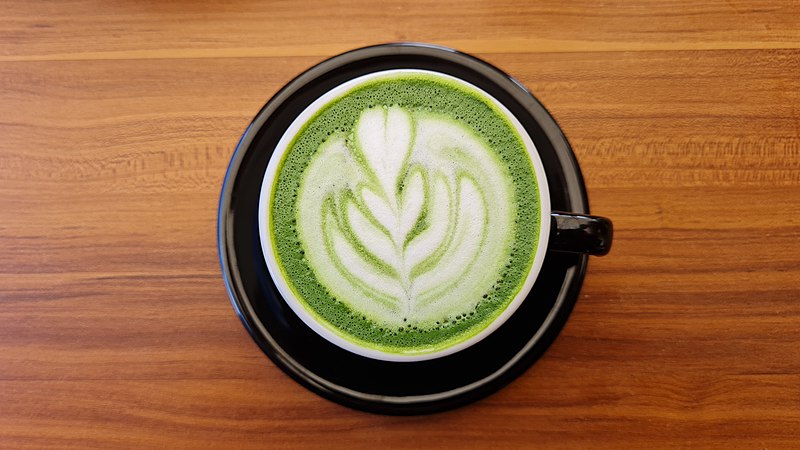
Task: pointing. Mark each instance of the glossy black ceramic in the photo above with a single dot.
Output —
(365, 383)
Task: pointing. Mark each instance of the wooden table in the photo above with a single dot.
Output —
(117, 121)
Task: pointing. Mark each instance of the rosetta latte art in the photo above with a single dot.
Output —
(408, 218)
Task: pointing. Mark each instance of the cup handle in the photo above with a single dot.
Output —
(580, 233)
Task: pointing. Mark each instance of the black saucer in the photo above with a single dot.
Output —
(364, 383)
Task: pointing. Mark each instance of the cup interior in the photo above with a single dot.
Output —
(282, 284)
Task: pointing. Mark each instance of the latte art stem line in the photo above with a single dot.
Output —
(383, 142)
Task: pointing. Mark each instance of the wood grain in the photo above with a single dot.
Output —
(117, 120)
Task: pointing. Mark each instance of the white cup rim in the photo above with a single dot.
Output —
(297, 306)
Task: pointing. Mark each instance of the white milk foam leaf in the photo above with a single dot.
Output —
(408, 220)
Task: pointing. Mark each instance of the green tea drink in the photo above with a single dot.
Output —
(403, 215)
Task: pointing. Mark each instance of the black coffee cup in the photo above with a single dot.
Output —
(378, 384)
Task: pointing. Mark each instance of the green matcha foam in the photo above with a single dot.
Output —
(405, 214)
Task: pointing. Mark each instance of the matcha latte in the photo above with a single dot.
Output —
(404, 215)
